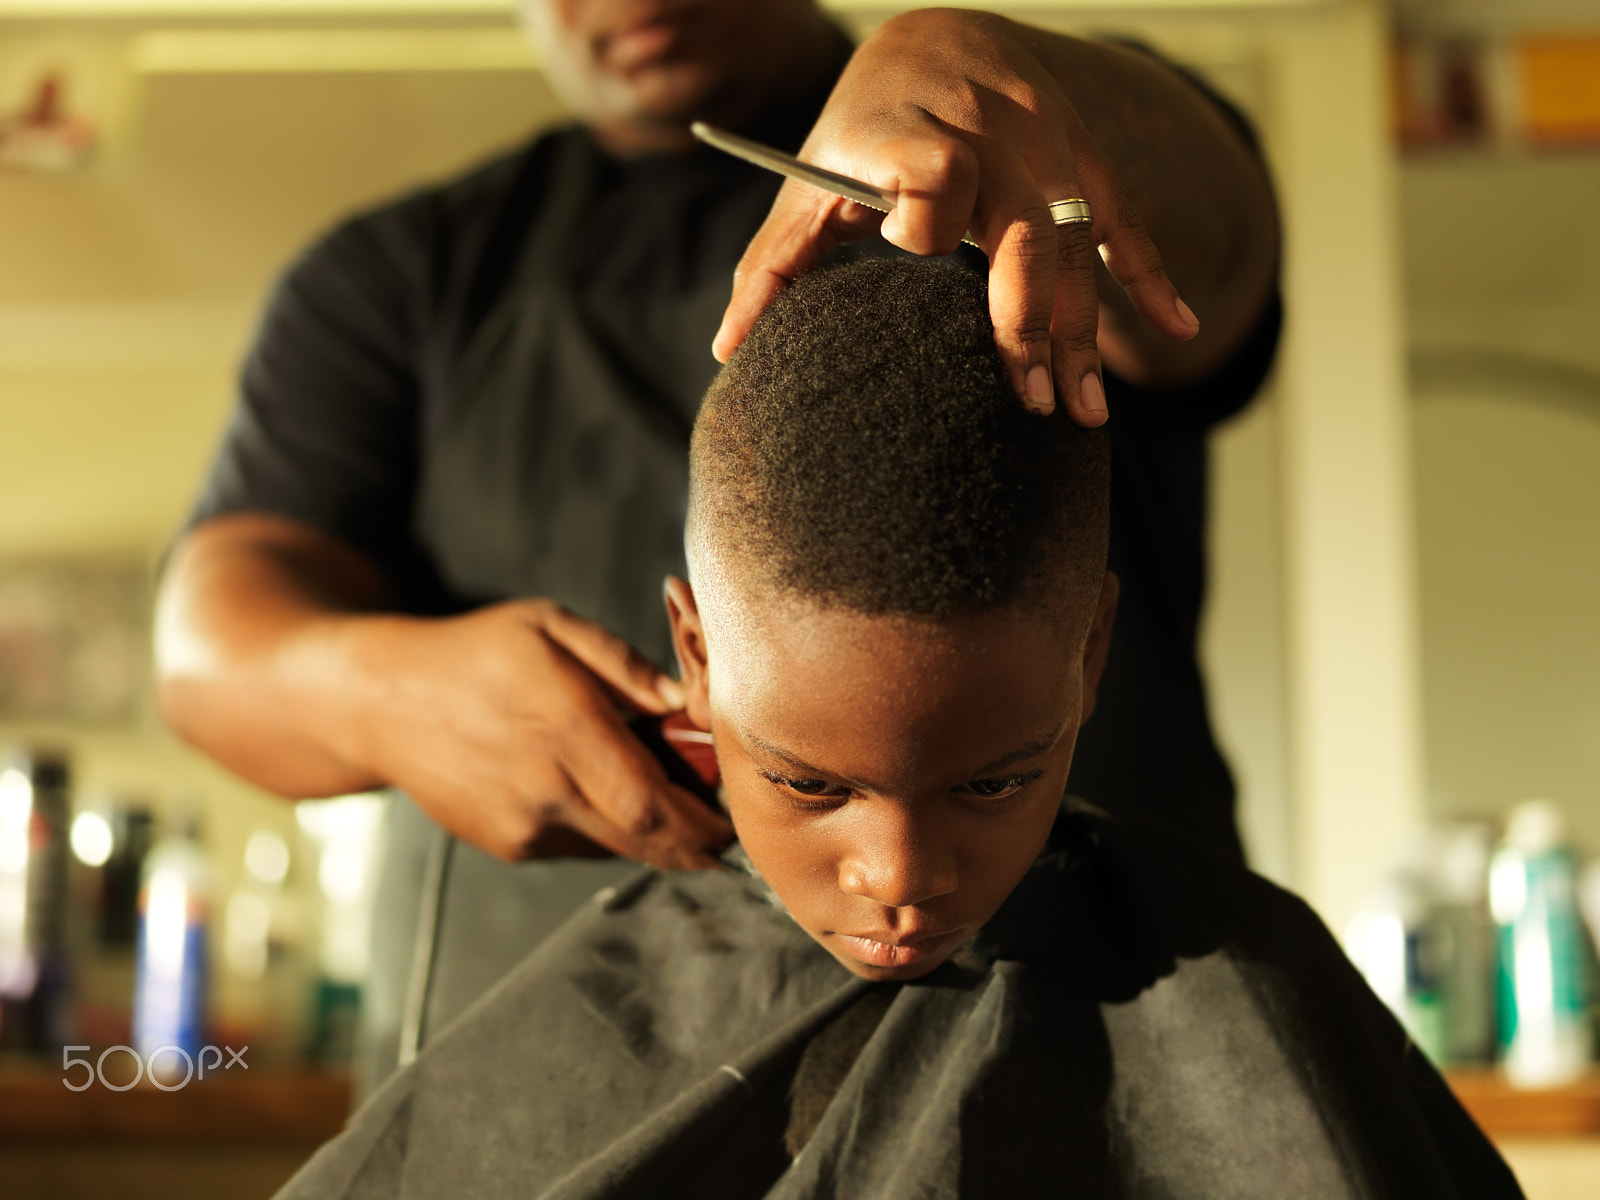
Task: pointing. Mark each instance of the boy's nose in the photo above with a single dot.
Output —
(899, 869)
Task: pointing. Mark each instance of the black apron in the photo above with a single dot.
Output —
(560, 470)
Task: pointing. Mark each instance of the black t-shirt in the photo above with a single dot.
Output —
(351, 380)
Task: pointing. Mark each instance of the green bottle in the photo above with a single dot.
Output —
(1544, 1034)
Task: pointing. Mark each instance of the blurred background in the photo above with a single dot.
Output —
(1403, 637)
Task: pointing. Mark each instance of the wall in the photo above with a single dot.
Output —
(127, 295)
(1502, 262)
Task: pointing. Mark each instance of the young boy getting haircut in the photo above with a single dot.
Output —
(934, 977)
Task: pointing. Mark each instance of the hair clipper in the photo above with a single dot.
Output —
(684, 751)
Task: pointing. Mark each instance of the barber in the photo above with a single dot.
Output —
(430, 551)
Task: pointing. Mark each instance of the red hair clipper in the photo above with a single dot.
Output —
(685, 751)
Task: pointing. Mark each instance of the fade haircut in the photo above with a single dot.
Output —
(864, 449)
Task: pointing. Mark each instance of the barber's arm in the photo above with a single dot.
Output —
(279, 652)
(974, 122)
(504, 724)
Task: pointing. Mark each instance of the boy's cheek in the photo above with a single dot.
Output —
(787, 859)
(793, 865)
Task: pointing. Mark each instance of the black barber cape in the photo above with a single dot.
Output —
(487, 388)
(1139, 1020)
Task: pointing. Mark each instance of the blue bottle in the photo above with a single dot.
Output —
(169, 1002)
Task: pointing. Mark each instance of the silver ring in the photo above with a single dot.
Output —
(1071, 212)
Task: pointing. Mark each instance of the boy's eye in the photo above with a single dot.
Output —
(816, 789)
(999, 789)
(820, 789)
(806, 787)
(992, 787)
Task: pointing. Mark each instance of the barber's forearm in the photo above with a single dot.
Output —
(256, 655)
(1200, 190)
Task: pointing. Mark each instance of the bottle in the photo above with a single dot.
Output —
(121, 880)
(34, 989)
(1396, 944)
(1544, 1031)
(1466, 936)
(169, 999)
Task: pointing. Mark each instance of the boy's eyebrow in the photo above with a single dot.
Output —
(780, 752)
(1024, 752)
(1020, 754)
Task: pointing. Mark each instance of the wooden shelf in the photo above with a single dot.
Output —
(277, 1107)
(264, 1107)
(1502, 1111)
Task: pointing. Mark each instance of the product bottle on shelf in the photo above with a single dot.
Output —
(34, 786)
(1545, 1038)
(1424, 942)
(169, 1001)
(1460, 917)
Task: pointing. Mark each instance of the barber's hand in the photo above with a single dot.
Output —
(954, 114)
(509, 727)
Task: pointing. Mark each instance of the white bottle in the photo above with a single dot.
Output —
(1544, 1029)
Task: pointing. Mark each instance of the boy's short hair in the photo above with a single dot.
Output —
(865, 449)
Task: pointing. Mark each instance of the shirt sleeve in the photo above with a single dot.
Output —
(1189, 409)
(326, 426)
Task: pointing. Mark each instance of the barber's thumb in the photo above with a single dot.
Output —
(652, 689)
(631, 674)
(671, 691)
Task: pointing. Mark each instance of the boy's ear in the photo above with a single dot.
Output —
(689, 643)
(1098, 644)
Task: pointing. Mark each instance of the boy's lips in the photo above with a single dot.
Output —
(895, 950)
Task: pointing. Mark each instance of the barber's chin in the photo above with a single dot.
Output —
(671, 98)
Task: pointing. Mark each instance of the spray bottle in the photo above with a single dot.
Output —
(170, 979)
(1544, 1029)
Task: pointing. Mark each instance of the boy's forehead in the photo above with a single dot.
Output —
(819, 682)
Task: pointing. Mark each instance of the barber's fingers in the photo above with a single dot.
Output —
(1126, 248)
(585, 819)
(628, 803)
(935, 185)
(620, 666)
(629, 806)
(1045, 321)
(933, 176)
(805, 224)
(1043, 291)
(1043, 297)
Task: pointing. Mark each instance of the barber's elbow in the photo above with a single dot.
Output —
(185, 679)
(182, 655)
(179, 706)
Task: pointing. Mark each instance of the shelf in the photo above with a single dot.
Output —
(308, 1108)
(269, 1107)
(1502, 1111)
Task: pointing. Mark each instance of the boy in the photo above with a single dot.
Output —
(933, 978)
